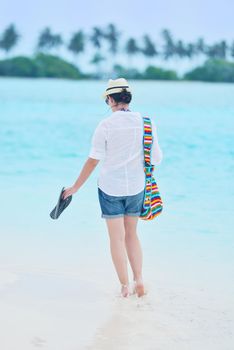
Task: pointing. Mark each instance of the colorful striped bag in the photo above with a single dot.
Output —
(152, 205)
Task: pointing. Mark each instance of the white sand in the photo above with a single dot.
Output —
(55, 311)
(49, 310)
(170, 318)
(65, 305)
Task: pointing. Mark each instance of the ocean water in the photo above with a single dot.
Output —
(45, 132)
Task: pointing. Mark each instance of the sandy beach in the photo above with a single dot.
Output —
(174, 319)
(48, 310)
(56, 310)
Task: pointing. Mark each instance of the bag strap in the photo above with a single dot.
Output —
(147, 141)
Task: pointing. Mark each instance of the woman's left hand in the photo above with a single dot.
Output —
(69, 191)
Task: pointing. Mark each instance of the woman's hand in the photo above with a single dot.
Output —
(69, 191)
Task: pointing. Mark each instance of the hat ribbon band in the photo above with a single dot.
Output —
(116, 87)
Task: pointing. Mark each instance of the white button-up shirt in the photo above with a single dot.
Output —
(118, 142)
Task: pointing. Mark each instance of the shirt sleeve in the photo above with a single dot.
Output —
(156, 152)
(98, 142)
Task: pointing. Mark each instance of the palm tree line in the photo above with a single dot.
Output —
(109, 38)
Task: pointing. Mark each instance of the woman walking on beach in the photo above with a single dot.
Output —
(118, 142)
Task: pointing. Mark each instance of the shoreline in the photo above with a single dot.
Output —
(53, 66)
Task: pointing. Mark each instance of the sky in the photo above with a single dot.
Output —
(186, 19)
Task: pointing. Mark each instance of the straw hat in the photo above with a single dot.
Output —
(115, 86)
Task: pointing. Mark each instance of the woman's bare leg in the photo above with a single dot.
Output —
(134, 251)
(116, 232)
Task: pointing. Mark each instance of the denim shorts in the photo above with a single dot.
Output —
(117, 206)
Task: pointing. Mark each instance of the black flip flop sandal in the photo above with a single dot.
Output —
(61, 205)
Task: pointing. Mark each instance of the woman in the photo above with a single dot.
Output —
(118, 142)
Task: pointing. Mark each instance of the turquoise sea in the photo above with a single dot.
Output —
(45, 132)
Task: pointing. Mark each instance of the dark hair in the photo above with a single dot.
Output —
(123, 97)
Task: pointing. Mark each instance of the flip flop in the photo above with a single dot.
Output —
(61, 205)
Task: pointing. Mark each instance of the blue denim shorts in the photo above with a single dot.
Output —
(117, 206)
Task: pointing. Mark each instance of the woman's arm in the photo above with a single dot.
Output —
(87, 169)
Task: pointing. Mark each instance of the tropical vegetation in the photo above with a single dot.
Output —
(108, 48)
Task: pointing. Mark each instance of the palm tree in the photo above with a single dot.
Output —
(47, 40)
(211, 51)
(96, 60)
(217, 50)
(200, 50)
(180, 52)
(96, 38)
(190, 50)
(57, 41)
(149, 49)
(223, 49)
(9, 38)
(169, 47)
(231, 49)
(77, 43)
(112, 36)
(200, 46)
(180, 49)
(44, 40)
(131, 49)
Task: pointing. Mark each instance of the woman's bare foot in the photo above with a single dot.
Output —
(139, 288)
(125, 290)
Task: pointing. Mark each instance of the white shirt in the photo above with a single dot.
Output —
(118, 142)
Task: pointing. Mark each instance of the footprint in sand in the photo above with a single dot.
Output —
(39, 342)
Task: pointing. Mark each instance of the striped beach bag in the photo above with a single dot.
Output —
(152, 205)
